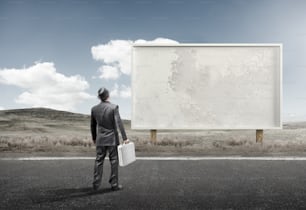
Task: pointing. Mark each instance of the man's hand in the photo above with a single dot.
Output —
(94, 141)
(126, 141)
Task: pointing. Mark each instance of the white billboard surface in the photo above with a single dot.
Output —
(207, 86)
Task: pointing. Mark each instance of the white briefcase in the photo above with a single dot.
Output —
(126, 154)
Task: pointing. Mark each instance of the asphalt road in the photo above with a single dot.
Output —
(155, 184)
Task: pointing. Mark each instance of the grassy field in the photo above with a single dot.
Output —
(42, 130)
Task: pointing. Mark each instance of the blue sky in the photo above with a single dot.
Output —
(59, 35)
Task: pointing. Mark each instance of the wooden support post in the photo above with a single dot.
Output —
(259, 136)
(153, 136)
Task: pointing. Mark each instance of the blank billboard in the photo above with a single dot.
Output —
(207, 86)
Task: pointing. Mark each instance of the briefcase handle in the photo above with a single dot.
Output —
(128, 141)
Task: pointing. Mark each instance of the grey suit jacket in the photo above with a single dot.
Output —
(105, 119)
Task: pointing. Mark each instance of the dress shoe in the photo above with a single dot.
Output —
(117, 187)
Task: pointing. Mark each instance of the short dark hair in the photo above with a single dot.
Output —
(103, 94)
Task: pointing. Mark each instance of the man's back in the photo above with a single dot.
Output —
(104, 121)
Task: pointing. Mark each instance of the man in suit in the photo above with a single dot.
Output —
(105, 119)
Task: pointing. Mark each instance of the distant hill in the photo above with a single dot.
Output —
(44, 120)
(43, 113)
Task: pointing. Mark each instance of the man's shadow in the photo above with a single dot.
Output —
(69, 193)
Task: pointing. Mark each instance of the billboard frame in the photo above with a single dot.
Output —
(280, 45)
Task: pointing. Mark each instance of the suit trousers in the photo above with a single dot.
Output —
(98, 168)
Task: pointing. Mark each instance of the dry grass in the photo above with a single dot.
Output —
(193, 143)
(43, 130)
(43, 143)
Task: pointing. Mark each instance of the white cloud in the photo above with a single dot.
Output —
(2, 108)
(116, 55)
(125, 92)
(115, 92)
(109, 72)
(120, 92)
(45, 87)
(156, 41)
